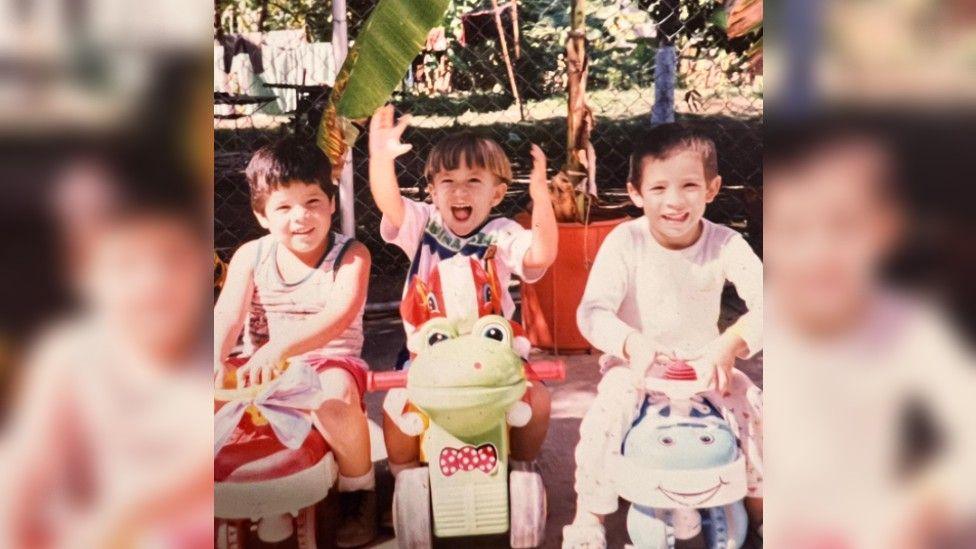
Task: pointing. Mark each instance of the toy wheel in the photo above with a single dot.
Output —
(411, 509)
(230, 535)
(647, 530)
(305, 528)
(527, 501)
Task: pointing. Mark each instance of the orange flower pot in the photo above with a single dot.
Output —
(549, 305)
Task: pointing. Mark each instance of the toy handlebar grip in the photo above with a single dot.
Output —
(546, 370)
(384, 381)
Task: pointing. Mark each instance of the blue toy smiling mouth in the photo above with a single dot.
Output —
(708, 494)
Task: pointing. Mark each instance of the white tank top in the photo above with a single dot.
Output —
(278, 307)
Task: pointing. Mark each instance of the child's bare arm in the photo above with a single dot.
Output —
(545, 232)
(351, 284)
(384, 147)
(230, 311)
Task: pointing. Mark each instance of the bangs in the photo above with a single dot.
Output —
(468, 150)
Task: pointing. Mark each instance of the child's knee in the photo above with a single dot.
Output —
(337, 416)
(338, 384)
(539, 399)
(390, 427)
(341, 408)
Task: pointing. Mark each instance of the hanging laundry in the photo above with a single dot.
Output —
(249, 44)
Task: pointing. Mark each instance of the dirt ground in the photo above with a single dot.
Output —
(570, 399)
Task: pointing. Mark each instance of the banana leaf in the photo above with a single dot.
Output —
(744, 17)
(392, 36)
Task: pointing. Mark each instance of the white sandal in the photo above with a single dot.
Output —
(579, 536)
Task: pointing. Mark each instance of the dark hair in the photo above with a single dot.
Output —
(793, 142)
(667, 139)
(288, 160)
(148, 186)
(471, 149)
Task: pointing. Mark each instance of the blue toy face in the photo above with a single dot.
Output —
(693, 436)
(684, 454)
(681, 445)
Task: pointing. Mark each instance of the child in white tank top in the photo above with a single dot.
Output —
(300, 293)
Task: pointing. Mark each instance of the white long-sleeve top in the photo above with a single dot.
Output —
(836, 424)
(671, 296)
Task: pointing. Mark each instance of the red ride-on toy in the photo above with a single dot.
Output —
(270, 466)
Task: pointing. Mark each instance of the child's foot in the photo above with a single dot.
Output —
(584, 536)
(358, 523)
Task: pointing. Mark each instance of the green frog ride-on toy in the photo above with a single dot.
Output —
(464, 389)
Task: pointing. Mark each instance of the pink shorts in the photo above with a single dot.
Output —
(356, 367)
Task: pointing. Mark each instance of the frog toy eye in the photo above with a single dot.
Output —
(494, 332)
(436, 337)
(494, 327)
(434, 331)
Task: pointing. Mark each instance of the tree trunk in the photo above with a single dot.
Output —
(263, 16)
(580, 164)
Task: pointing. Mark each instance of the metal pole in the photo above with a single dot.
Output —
(340, 47)
(666, 62)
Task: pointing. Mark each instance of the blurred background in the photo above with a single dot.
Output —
(869, 266)
(105, 165)
(141, 100)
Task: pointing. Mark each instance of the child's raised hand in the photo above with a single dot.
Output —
(538, 186)
(384, 135)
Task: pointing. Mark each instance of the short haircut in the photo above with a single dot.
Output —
(668, 139)
(470, 149)
(790, 143)
(286, 161)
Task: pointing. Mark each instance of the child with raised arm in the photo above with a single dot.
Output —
(655, 292)
(467, 176)
(300, 292)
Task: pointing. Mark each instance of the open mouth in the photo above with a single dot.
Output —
(676, 218)
(692, 499)
(303, 232)
(461, 213)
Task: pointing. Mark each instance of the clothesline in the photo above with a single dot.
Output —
(245, 63)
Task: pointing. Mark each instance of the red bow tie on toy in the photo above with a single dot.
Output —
(469, 458)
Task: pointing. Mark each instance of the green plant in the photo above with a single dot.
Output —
(388, 41)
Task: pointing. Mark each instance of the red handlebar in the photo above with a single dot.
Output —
(546, 370)
(384, 381)
(554, 370)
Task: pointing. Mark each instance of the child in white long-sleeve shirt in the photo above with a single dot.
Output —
(655, 292)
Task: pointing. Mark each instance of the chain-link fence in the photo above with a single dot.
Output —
(270, 80)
